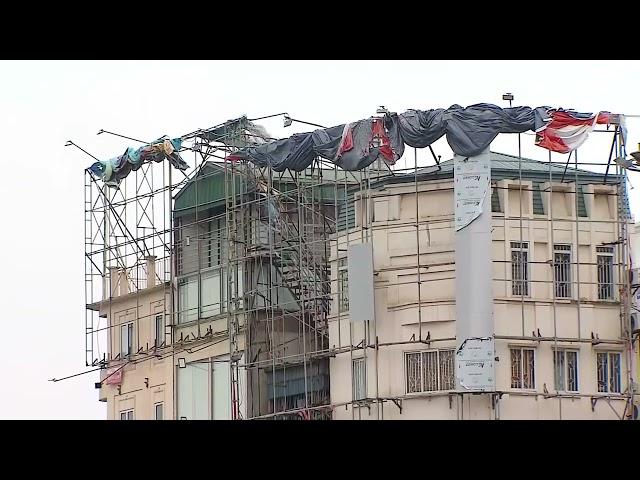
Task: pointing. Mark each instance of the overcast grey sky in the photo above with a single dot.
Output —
(45, 103)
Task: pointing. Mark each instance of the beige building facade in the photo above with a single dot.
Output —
(557, 286)
(562, 338)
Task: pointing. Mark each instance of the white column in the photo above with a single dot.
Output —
(475, 352)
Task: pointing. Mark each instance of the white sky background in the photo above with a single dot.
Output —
(45, 103)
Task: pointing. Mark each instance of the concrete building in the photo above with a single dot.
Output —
(229, 293)
(556, 288)
(139, 382)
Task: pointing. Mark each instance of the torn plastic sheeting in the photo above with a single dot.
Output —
(352, 146)
(469, 130)
(568, 129)
(112, 171)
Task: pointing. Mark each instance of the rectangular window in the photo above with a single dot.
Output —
(126, 415)
(343, 284)
(159, 411)
(429, 371)
(565, 363)
(523, 368)
(159, 330)
(188, 299)
(359, 379)
(204, 390)
(214, 243)
(562, 270)
(608, 367)
(520, 268)
(605, 273)
(212, 293)
(126, 339)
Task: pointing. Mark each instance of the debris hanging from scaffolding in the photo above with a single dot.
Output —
(468, 130)
(356, 145)
(112, 171)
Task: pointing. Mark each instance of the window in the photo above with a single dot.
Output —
(562, 270)
(429, 371)
(359, 379)
(126, 339)
(343, 284)
(159, 330)
(204, 390)
(608, 366)
(605, 273)
(212, 291)
(520, 268)
(188, 299)
(213, 235)
(523, 368)
(565, 363)
(159, 411)
(126, 415)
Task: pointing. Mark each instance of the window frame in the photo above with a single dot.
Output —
(128, 414)
(563, 249)
(155, 410)
(524, 283)
(343, 285)
(129, 329)
(605, 252)
(159, 329)
(362, 381)
(565, 367)
(534, 382)
(608, 355)
(421, 365)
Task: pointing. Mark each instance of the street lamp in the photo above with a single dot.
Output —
(509, 97)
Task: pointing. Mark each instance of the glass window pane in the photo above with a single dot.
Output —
(602, 372)
(614, 372)
(193, 391)
(572, 371)
(516, 368)
(210, 294)
(221, 390)
(528, 369)
(188, 299)
(559, 369)
(447, 376)
(124, 340)
(414, 374)
(430, 370)
(159, 330)
(605, 277)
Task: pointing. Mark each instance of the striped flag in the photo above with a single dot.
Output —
(567, 129)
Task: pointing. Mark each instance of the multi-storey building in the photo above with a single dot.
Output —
(562, 343)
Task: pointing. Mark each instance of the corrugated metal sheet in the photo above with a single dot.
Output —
(211, 191)
(209, 183)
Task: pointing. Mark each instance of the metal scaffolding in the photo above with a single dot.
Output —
(269, 240)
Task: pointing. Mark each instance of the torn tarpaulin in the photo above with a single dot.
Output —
(357, 145)
(352, 147)
(112, 171)
(568, 129)
(469, 130)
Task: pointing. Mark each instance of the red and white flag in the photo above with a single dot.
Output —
(567, 129)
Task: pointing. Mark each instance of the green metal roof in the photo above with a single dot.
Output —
(208, 187)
